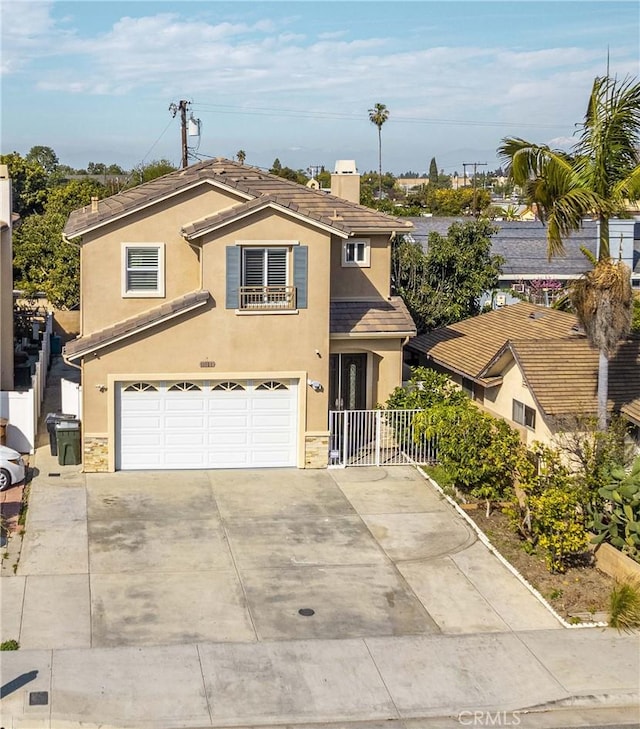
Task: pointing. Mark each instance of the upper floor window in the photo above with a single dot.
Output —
(143, 269)
(524, 415)
(355, 252)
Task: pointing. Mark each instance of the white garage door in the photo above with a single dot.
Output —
(207, 424)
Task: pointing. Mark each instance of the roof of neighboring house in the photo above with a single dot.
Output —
(562, 374)
(468, 347)
(371, 317)
(250, 184)
(523, 245)
(632, 410)
(152, 317)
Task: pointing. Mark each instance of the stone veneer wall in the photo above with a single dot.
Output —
(316, 451)
(95, 454)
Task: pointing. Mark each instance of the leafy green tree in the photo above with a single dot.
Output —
(599, 176)
(433, 172)
(45, 157)
(378, 116)
(152, 170)
(43, 261)
(29, 182)
(445, 284)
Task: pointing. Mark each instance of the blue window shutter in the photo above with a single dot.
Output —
(233, 277)
(300, 266)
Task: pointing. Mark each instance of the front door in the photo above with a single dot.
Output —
(348, 382)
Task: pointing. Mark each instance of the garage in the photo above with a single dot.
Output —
(207, 424)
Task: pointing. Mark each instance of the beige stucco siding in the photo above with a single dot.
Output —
(500, 401)
(102, 303)
(354, 282)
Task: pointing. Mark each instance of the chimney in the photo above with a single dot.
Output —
(345, 180)
(94, 204)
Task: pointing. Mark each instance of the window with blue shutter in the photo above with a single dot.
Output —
(300, 274)
(233, 278)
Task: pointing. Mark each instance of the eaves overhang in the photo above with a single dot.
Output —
(109, 219)
(127, 329)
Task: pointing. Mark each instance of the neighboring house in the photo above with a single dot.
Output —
(224, 312)
(529, 365)
(6, 281)
(22, 385)
(631, 411)
(527, 270)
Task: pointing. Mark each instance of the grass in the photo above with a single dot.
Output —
(9, 645)
(624, 605)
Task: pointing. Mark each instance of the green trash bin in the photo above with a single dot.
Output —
(68, 442)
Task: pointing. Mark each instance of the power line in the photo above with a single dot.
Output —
(357, 116)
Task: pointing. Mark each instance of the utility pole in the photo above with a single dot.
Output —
(475, 167)
(182, 107)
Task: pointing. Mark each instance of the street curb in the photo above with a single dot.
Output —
(485, 540)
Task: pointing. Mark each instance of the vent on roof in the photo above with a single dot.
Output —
(536, 314)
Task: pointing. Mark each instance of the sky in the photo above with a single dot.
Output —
(94, 80)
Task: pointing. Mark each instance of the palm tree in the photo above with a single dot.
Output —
(597, 178)
(241, 155)
(378, 116)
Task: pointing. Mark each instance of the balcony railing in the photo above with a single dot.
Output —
(267, 297)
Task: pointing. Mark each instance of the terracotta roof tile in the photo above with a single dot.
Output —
(632, 410)
(253, 184)
(470, 346)
(370, 317)
(562, 374)
(84, 345)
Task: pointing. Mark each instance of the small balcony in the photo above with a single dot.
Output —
(271, 298)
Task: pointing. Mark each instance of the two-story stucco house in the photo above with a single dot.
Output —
(225, 311)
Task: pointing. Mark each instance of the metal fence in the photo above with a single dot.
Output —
(377, 438)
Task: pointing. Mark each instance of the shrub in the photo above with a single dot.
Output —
(557, 524)
(9, 645)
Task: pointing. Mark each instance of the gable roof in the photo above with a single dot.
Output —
(562, 374)
(468, 347)
(82, 346)
(371, 317)
(250, 184)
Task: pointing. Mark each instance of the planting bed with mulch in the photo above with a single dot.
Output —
(580, 594)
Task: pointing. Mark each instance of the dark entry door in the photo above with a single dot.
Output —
(348, 382)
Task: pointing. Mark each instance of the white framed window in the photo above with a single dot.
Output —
(143, 269)
(355, 252)
(524, 415)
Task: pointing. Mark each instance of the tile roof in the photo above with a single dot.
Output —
(469, 346)
(562, 374)
(250, 183)
(632, 410)
(371, 317)
(152, 317)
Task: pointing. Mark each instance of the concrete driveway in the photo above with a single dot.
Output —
(161, 558)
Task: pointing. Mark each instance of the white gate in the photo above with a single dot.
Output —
(377, 438)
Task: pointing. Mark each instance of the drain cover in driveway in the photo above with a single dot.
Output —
(306, 612)
(38, 698)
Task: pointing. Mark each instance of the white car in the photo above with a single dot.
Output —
(12, 467)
